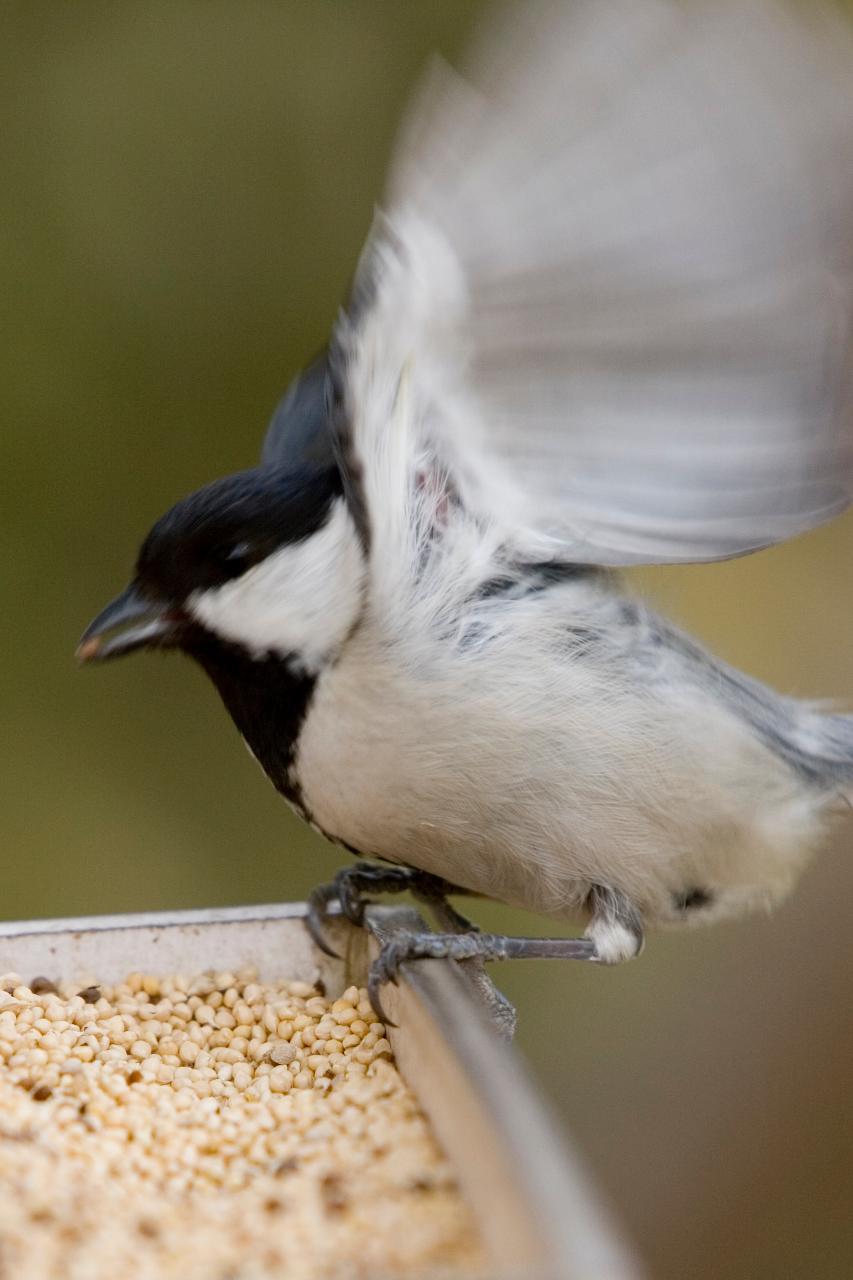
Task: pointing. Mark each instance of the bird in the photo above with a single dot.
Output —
(602, 319)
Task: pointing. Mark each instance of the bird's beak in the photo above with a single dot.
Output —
(136, 621)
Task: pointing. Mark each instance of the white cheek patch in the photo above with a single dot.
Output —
(301, 602)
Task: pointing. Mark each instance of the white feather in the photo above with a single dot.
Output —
(529, 772)
(615, 271)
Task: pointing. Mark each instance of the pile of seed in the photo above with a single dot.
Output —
(214, 1128)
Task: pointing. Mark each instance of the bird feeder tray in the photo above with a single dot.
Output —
(536, 1211)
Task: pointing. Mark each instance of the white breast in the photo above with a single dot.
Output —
(527, 777)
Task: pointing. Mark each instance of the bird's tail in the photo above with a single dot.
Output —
(820, 747)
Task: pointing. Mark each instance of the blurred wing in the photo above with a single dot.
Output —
(614, 278)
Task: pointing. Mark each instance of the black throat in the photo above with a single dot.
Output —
(267, 700)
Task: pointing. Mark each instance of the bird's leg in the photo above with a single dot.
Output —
(352, 883)
(614, 933)
(466, 946)
(500, 1010)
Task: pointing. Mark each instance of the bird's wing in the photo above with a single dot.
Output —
(612, 282)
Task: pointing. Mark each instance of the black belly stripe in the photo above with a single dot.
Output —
(268, 700)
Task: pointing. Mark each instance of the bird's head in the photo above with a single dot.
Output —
(267, 560)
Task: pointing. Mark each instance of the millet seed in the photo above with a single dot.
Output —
(174, 1126)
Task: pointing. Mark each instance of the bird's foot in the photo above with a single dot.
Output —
(614, 934)
(351, 884)
(466, 946)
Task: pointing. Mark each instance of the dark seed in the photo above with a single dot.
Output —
(40, 986)
(332, 1191)
(90, 994)
(42, 1093)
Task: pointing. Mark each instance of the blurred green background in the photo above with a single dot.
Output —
(183, 192)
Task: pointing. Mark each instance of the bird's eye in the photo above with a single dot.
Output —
(239, 551)
(238, 556)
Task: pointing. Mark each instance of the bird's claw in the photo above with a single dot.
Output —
(319, 901)
(350, 884)
(385, 968)
(408, 946)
